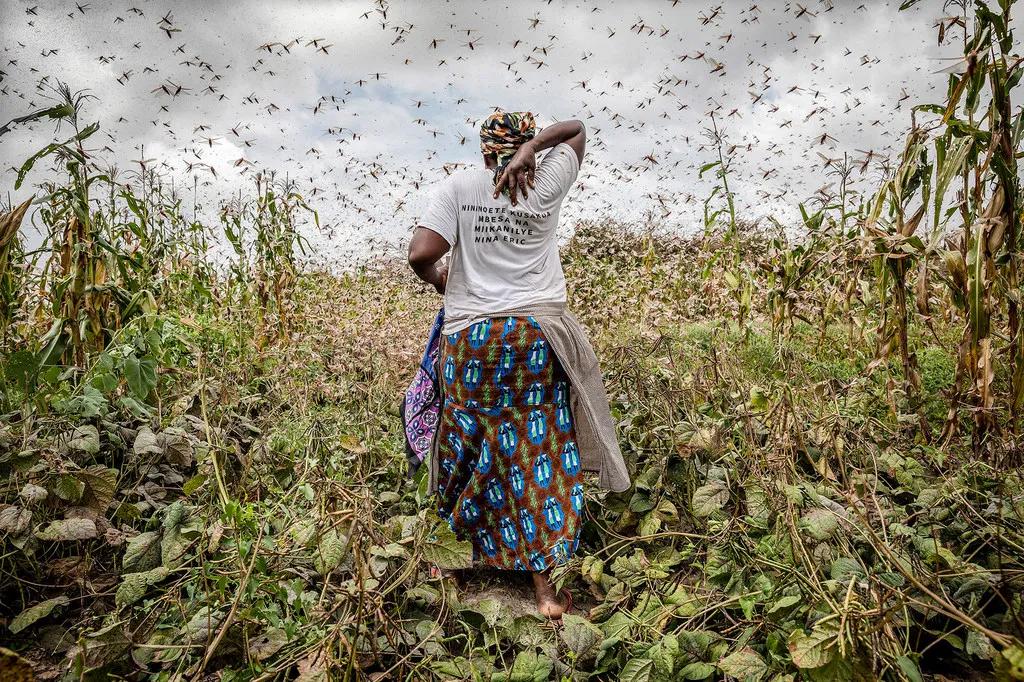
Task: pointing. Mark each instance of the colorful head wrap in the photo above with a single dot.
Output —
(502, 133)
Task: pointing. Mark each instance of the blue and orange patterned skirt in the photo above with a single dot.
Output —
(509, 474)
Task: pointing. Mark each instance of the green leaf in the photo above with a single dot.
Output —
(37, 612)
(529, 666)
(445, 550)
(134, 585)
(706, 167)
(785, 602)
(744, 664)
(51, 148)
(845, 567)
(140, 375)
(979, 645)
(664, 654)
(69, 488)
(139, 410)
(709, 498)
(639, 669)
(811, 650)
(617, 626)
(909, 669)
(21, 368)
(1009, 664)
(819, 523)
(142, 552)
(193, 484)
(330, 552)
(581, 637)
(697, 671)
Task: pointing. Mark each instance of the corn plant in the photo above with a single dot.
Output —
(736, 274)
(12, 270)
(277, 246)
(890, 227)
(977, 154)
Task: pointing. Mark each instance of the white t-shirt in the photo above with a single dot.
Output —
(503, 256)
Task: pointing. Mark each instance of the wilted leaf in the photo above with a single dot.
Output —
(34, 613)
(267, 644)
(312, 668)
(489, 609)
(69, 529)
(744, 664)
(32, 493)
(979, 645)
(100, 485)
(174, 544)
(177, 447)
(15, 520)
(202, 625)
(14, 666)
(105, 645)
(85, 438)
(353, 444)
(146, 443)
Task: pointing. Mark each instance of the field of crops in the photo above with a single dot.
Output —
(202, 472)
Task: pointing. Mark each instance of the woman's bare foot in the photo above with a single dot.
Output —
(547, 600)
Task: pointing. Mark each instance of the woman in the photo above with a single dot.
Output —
(524, 410)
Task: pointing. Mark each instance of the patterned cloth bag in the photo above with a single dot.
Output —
(421, 407)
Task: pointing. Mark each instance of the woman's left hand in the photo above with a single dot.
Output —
(440, 278)
(518, 173)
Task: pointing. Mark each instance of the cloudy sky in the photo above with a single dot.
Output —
(365, 104)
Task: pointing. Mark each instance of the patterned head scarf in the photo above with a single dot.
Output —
(502, 133)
